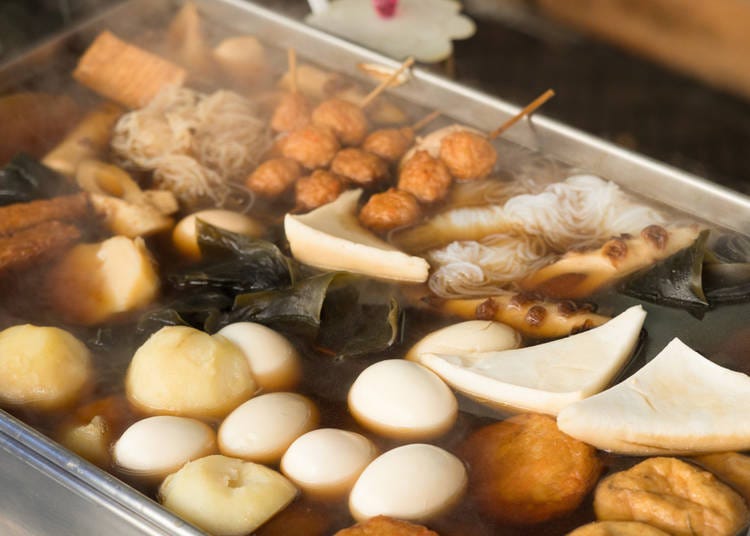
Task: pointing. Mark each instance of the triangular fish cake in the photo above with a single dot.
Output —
(678, 403)
(547, 377)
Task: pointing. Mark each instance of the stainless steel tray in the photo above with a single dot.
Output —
(45, 489)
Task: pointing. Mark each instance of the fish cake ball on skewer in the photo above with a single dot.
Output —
(318, 189)
(390, 210)
(425, 177)
(347, 121)
(273, 177)
(292, 113)
(468, 155)
(312, 146)
(359, 167)
(390, 144)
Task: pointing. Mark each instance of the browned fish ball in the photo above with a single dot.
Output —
(345, 119)
(274, 177)
(312, 146)
(292, 112)
(468, 155)
(390, 210)
(359, 167)
(385, 526)
(425, 177)
(390, 144)
(524, 470)
(318, 189)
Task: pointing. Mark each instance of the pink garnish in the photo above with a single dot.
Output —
(385, 8)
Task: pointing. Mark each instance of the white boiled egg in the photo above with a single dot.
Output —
(402, 399)
(415, 482)
(273, 360)
(262, 429)
(325, 463)
(185, 236)
(466, 338)
(157, 446)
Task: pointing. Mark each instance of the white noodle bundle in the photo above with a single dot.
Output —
(188, 179)
(230, 138)
(584, 210)
(194, 143)
(469, 268)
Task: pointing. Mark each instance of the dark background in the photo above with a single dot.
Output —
(600, 89)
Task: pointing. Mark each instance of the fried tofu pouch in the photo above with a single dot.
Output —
(617, 528)
(672, 495)
(524, 470)
(385, 526)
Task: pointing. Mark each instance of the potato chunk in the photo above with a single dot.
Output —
(90, 441)
(183, 371)
(42, 368)
(94, 282)
(673, 496)
(524, 470)
(226, 496)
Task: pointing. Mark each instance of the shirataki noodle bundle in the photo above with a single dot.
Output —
(582, 211)
(195, 144)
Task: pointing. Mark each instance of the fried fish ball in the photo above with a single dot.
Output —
(312, 146)
(425, 177)
(672, 495)
(345, 119)
(292, 112)
(359, 167)
(468, 155)
(524, 470)
(617, 528)
(318, 189)
(385, 526)
(390, 210)
(273, 177)
(390, 144)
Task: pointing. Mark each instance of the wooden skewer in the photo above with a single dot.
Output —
(385, 83)
(529, 109)
(426, 120)
(291, 55)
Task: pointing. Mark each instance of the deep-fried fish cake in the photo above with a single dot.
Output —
(524, 470)
(385, 526)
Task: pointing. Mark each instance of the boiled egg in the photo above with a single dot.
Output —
(414, 482)
(467, 338)
(157, 446)
(273, 360)
(262, 429)
(401, 399)
(185, 237)
(325, 463)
